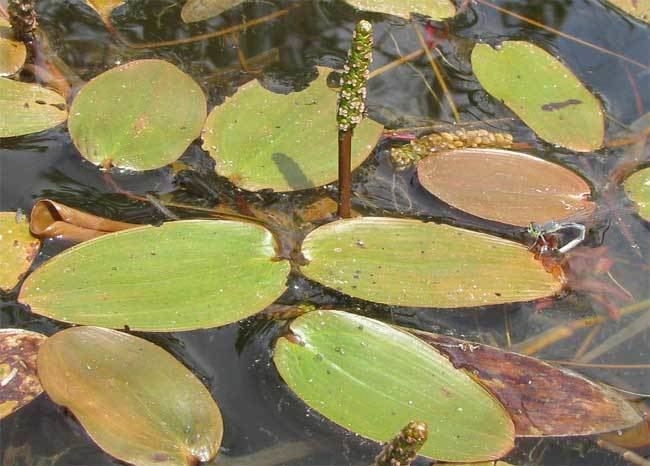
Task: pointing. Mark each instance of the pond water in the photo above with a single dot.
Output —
(265, 423)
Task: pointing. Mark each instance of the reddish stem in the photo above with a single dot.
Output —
(345, 173)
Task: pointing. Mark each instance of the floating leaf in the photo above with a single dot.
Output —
(542, 92)
(179, 276)
(373, 379)
(436, 9)
(284, 142)
(542, 400)
(18, 248)
(637, 8)
(140, 116)
(410, 263)
(134, 399)
(199, 10)
(505, 186)
(51, 219)
(19, 383)
(28, 108)
(637, 187)
(104, 8)
(12, 52)
(638, 437)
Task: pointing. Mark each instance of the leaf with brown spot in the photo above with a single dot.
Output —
(18, 249)
(19, 383)
(543, 92)
(28, 108)
(543, 400)
(51, 219)
(505, 186)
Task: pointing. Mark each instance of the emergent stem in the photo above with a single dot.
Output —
(345, 173)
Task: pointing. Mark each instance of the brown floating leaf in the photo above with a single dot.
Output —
(505, 186)
(17, 249)
(19, 383)
(50, 219)
(542, 400)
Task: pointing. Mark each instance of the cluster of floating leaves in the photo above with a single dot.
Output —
(344, 366)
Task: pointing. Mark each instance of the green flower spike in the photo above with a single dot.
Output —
(403, 449)
(352, 96)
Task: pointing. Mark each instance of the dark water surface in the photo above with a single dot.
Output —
(259, 411)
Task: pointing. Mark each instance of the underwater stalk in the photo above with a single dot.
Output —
(403, 449)
(352, 107)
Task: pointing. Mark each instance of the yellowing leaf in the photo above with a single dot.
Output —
(436, 9)
(637, 187)
(18, 249)
(135, 400)
(12, 52)
(105, 8)
(637, 8)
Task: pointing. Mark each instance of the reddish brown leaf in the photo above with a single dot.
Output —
(505, 186)
(542, 400)
(19, 383)
(51, 219)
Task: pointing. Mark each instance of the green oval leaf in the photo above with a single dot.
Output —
(28, 108)
(135, 400)
(12, 52)
(283, 142)
(180, 276)
(19, 248)
(19, 383)
(637, 187)
(139, 116)
(436, 9)
(543, 92)
(410, 263)
(373, 379)
(505, 186)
